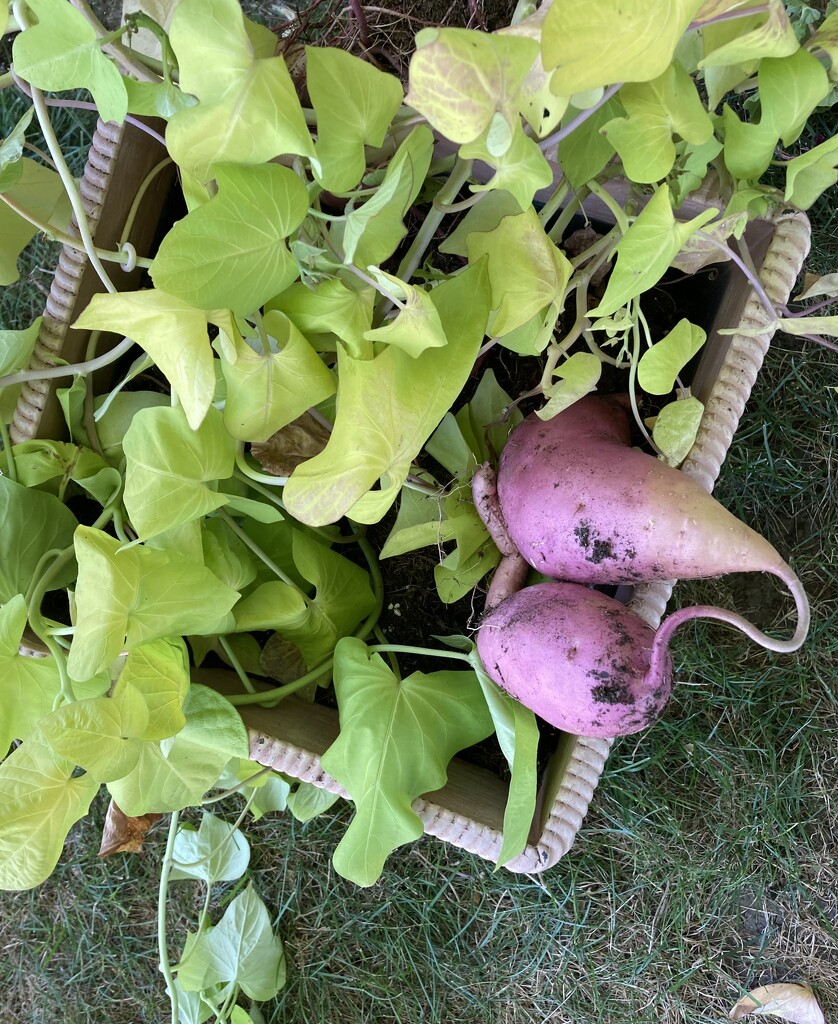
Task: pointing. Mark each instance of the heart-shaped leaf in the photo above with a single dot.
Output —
(62, 52)
(230, 253)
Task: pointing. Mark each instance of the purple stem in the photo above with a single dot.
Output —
(361, 19)
(85, 105)
(731, 16)
(820, 341)
(755, 282)
(562, 133)
(810, 309)
(677, 619)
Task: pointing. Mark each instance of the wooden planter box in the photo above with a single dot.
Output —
(468, 811)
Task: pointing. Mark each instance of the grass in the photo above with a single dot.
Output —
(705, 867)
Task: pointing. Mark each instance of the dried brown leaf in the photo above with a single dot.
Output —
(121, 834)
(301, 440)
(796, 1003)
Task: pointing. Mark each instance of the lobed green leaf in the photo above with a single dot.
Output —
(376, 758)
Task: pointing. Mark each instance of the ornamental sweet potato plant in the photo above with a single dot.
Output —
(353, 253)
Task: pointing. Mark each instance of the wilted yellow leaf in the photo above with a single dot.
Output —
(796, 1003)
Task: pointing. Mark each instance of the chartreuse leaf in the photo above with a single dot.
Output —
(330, 307)
(521, 169)
(660, 365)
(789, 90)
(240, 950)
(178, 772)
(101, 734)
(767, 34)
(460, 78)
(39, 191)
(586, 151)
(266, 792)
(634, 41)
(419, 524)
(541, 107)
(691, 168)
(214, 852)
(354, 103)
(169, 467)
(159, 672)
(527, 272)
(173, 333)
(248, 110)
(62, 52)
(826, 39)
(28, 686)
(31, 523)
(376, 441)
(42, 799)
(676, 427)
(669, 105)
(474, 555)
(16, 347)
(156, 99)
(230, 253)
(58, 462)
(518, 734)
(809, 175)
(578, 376)
(376, 757)
(128, 597)
(373, 231)
(11, 150)
(417, 326)
(227, 556)
(119, 415)
(342, 600)
(484, 216)
(4, 18)
(646, 250)
(306, 801)
(267, 390)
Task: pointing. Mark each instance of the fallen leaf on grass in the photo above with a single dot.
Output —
(121, 834)
(288, 447)
(796, 1003)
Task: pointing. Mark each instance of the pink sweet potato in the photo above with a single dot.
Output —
(579, 504)
(580, 660)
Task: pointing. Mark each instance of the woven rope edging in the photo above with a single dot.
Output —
(64, 290)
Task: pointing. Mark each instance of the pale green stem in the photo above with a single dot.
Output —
(260, 554)
(632, 383)
(237, 788)
(255, 475)
(237, 665)
(617, 212)
(414, 255)
(56, 372)
(162, 898)
(555, 201)
(424, 651)
(11, 468)
(22, 17)
(54, 235)
(138, 198)
(270, 698)
(574, 204)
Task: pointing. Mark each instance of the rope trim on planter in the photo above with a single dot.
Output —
(62, 296)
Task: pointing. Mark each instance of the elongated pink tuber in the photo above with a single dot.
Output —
(581, 505)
